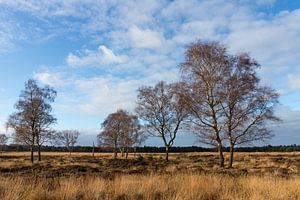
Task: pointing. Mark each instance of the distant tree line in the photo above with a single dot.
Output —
(154, 149)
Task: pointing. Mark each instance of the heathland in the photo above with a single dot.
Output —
(149, 176)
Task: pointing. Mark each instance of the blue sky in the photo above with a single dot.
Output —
(97, 53)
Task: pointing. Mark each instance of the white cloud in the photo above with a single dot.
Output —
(145, 38)
(269, 42)
(103, 56)
(101, 95)
(273, 42)
(106, 94)
(294, 81)
(204, 30)
(45, 8)
(2, 129)
(52, 79)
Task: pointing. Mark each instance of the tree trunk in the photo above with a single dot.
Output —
(126, 156)
(71, 150)
(167, 153)
(134, 152)
(221, 156)
(122, 152)
(93, 150)
(31, 154)
(115, 150)
(231, 155)
(115, 153)
(39, 152)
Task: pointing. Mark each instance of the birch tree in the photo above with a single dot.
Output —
(68, 138)
(162, 109)
(32, 120)
(226, 99)
(204, 69)
(248, 106)
(120, 130)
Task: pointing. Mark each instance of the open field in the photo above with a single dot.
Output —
(57, 164)
(149, 176)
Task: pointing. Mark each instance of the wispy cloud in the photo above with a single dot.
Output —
(145, 38)
(8, 33)
(52, 79)
(103, 56)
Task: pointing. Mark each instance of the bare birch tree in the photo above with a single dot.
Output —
(225, 98)
(247, 105)
(32, 120)
(68, 138)
(162, 109)
(132, 135)
(204, 69)
(119, 130)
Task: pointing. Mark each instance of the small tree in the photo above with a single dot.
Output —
(3, 141)
(163, 110)
(118, 130)
(68, 138)
(133, 137)
(32, 120)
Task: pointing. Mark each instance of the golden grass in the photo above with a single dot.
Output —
(149, 176)
(166, 187)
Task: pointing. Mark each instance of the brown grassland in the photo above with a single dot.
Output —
(149, 176)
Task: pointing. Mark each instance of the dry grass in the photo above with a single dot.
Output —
(167, 187)
(56, 164)
(149, 176)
